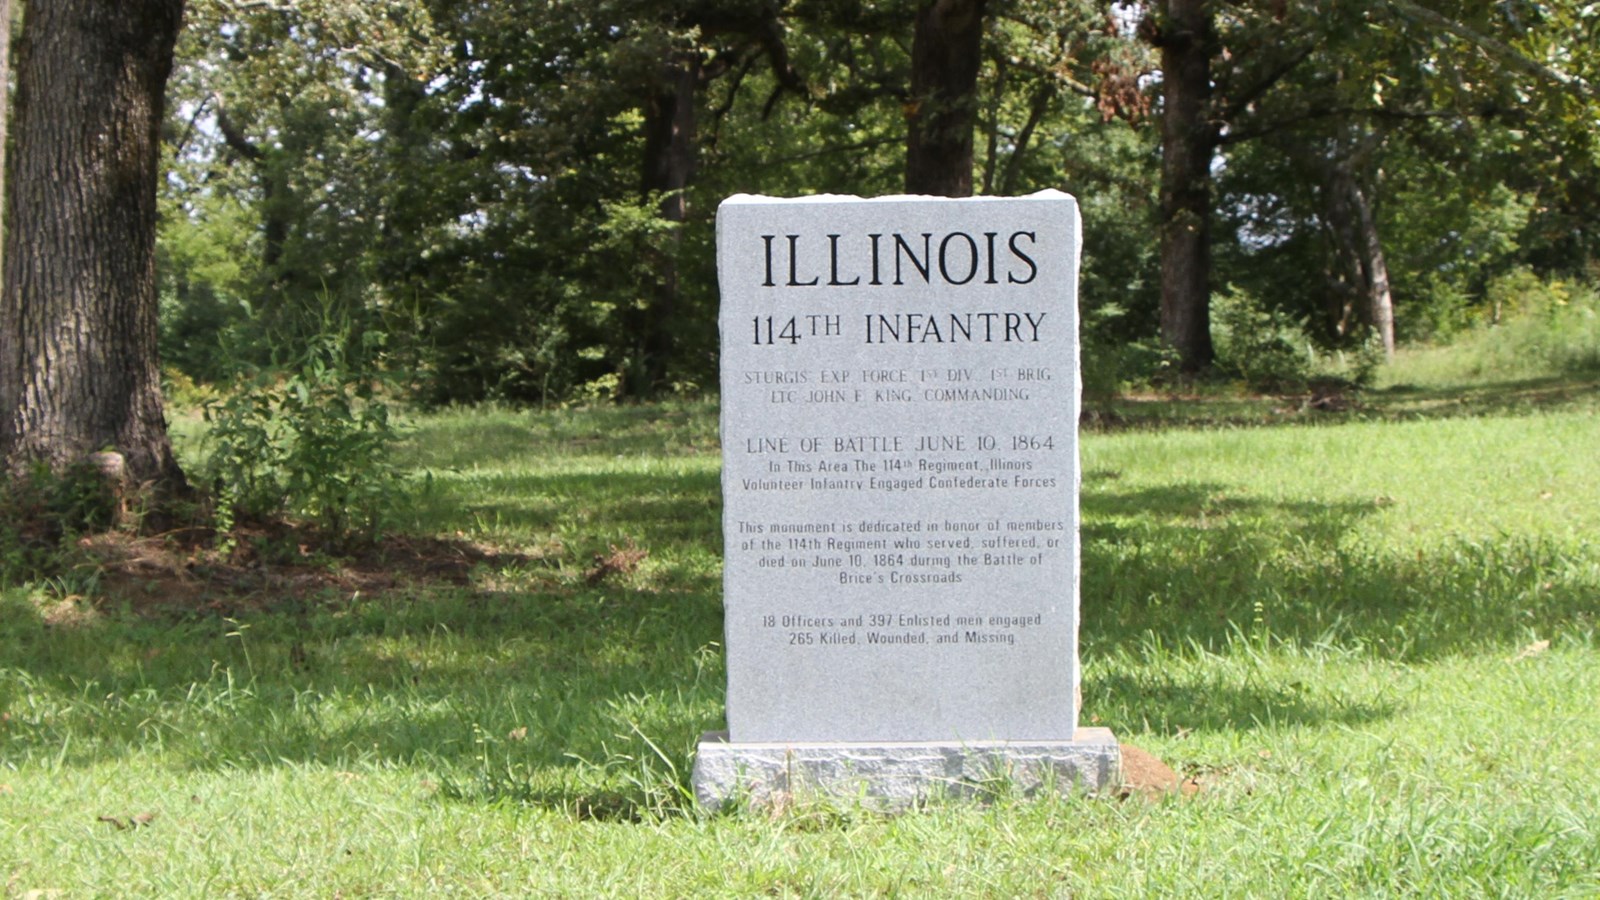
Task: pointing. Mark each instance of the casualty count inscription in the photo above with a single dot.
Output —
(900, 403)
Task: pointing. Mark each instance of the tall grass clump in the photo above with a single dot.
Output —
(1530, 328)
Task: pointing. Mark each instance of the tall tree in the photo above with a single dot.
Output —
(723, 38)
(5, 103)
(1189, 134)
(1401, 128)
(286, 105)
(942, 109)
(78, 360)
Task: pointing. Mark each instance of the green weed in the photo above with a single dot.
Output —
(309, 437)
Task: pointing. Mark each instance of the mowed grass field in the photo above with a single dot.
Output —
(1369, 638)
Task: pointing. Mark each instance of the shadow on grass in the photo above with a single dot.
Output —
(1500, 398)
(1192, 566)
(1173, 705)
(1184, 586)
(535, 686)
(548, 681)
(1390, 404)
(656, 508)
(489, 695)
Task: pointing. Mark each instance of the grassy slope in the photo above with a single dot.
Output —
(1325, 626)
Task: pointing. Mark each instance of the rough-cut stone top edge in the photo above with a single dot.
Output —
(757, 199)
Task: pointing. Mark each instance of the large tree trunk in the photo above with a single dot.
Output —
(1188, 142)
(5, 106)
(78, 364)
(669, 164)
(945, 54)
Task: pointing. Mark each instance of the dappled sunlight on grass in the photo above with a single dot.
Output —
(1310, 623)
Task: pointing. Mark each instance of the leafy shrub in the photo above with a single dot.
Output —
(1112, 366)
(1546, 328)
(1442, 310)
(1260, 346)
(309, 437)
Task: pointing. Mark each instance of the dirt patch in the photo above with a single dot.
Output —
(268, 566)
(1145, 775)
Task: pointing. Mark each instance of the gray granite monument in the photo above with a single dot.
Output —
(900, 401)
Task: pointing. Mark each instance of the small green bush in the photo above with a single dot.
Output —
(1110, 368)
(308, 438)
(1262, 347)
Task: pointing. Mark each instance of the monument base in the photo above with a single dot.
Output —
(893, 775)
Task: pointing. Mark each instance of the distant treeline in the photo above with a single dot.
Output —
(519, 195)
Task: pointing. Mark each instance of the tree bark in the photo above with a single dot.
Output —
(79, 371)
(943, 107)
(5, 108)
(1376, 269)
(1363, 278)
(671, 151)
(670, 124)
(1367, 298)
(1188, 141)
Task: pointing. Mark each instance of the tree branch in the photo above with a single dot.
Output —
(188, 131)
(234, 138)
(1265, 83)
(1239, 136)
(726, 106)
(1505, 52)
(1036, 111)
(826, 151)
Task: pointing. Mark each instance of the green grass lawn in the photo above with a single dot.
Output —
(1335, 624)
